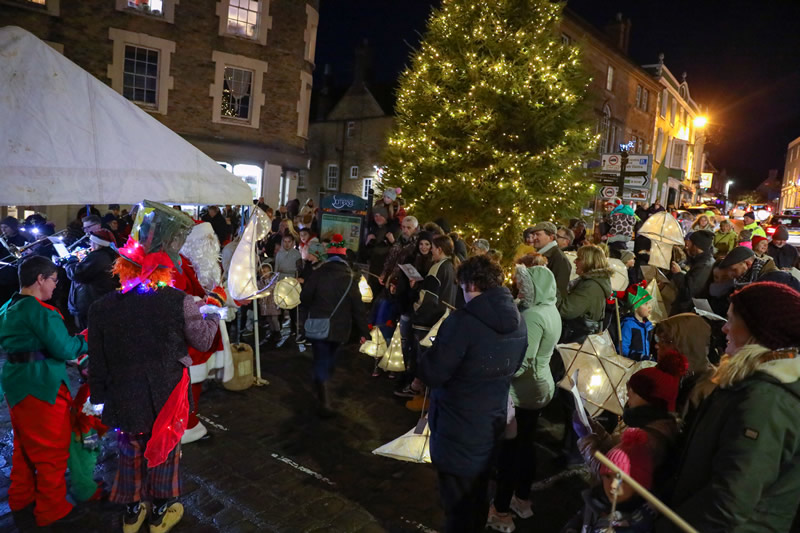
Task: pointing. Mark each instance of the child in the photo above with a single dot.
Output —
(637, 330)
(631, 513)
(725, 239)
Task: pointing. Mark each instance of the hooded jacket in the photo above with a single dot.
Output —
(740, 469)
(588, 296)
(691, 284)
(532, 386)
(438, 289)
(636, 341)
(725, 241)
(755, 229)
(469, 368)
(561, 267)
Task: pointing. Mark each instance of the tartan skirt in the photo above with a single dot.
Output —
(134, 482)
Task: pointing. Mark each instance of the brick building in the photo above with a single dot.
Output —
(790, 186)
(233, 77)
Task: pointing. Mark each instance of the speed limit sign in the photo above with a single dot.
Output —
(608, 192)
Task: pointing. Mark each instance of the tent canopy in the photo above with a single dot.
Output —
(68, 138)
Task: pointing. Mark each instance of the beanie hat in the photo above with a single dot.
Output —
(750, 214)
(736, 256)
(709, 214)
(337, 245)
(380, 210)
(626, 256)
(11, 222)
(658, 385)
(756, 301)
(483, 244)
(781, 233)
(633, 457)
(102, 237)
(317, 250)
(392, 193)
(425, 236)
(703, 239)
(757, 239)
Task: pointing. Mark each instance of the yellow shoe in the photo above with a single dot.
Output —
(132, 524)
(418, 403)
(167, 521)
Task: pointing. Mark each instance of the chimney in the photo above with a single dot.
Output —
(619, 33)
(362, 65)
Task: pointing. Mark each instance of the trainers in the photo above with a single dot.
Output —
(300, 340)
(167, 520)
(500, 521)
(131, 523)
(407, 392)
(521, 507)
(418, 403)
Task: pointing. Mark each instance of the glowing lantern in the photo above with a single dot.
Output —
(244, 266)
(658, 309)
(573, 273)
(602, 375)
(429, 338)
(661, 254)
(365, 290)
(287, 293)
(392, 360)
(662, 227)
(376, 345)
(413, 447)
(619, 276)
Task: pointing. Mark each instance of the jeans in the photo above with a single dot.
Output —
(324, 359)
(517, 466)
(465, 501)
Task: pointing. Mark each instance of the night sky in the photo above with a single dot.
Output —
(741, 60)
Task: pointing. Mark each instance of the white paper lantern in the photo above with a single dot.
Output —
(287, 293)
(413, 447)
(392, 360)
(662, 227)
(365, 290)
(619, 276)
(376, 345)
(428, 340)
(661, 254)
(658, 310)
(244, 267)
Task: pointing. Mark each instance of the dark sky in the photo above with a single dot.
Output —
(742, 60)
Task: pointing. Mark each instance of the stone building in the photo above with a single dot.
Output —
(233, 77)
(790, 186)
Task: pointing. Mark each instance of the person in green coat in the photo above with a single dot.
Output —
(531, 390)
(583, 309)
(34, 380)
(740, 468)
(725, 239)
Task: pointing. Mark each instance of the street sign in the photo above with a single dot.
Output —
(606, 179)
(636, 163)
(608, 192)
(637, 195)
(638, 182)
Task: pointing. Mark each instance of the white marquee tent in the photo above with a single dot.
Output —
(68, 138)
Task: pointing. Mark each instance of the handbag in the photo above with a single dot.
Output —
(318, 329)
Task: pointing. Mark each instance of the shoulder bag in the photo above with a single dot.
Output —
(318, 329)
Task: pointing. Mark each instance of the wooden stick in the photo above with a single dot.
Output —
(619, 326)
(647, 495)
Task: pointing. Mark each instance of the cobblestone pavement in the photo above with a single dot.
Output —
(272, 465)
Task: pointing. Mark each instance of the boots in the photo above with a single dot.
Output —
(324, 410)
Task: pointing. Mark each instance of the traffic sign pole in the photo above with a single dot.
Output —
(622, 165)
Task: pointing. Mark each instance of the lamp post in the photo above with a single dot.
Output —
(700, 139)
(727, 194)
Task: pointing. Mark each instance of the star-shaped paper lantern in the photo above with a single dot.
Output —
(429, 338)
(661, 254)
(658, 309)
(603, 374)
(392, 360)
(287, 293)
(376, 345)
(662, 227)
(413, 447)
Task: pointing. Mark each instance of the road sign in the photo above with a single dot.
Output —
(608, 192)
(636, 163)
(638, 195)
(637, 182)
(606, 179)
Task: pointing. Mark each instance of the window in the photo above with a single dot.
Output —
(565, 39)
(365, 187)
(333, 177)
(638, 96)
(680, 152)
(302, 178)
(140, 75)
(645, 98)
(247, 19)
(304, 104)
(310, 35)
(610, 78)
(237, 90)
(351, 129)
(353, 172)
(159, 9)
(659, 144)
(140, 68)
(673, 112)
(664, 103)
(50, 7)
(603, 129)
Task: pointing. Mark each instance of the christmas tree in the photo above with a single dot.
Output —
(492, 125)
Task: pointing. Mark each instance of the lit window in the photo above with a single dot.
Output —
(49, 7)
(333, 177)
(673, 112)
(161, 9)
(351, 129)
(610, 78)
(248, 19)
(664, 103)
(237, 90)
(140, 68)
(140, 75)
(659, 144)
(367, 185)
(310, 35)
(353, 172)
(38, 2)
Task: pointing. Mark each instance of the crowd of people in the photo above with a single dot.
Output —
(709, 425)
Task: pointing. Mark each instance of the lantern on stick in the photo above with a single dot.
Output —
(431, 336)
(365, 290)
(376, 345)
(287, 293)
(664, 232)
(658, 309)
(392, 360)
(413, 447)
(244, 267)
(602, 375)
(619, 274)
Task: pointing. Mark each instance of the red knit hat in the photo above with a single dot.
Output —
(757, 239)
(337, 245)
(658, 385)
(756, 304)
(633, 457)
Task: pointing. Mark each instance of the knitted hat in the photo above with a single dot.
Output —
(392, 193)
(709, 214)
(102, 237)
(626, 256)
(380, 210)
(483, 244)
(736, 256)
(781, 233)
(337, 245)
(425, 236)
(756, 303)
(11, 222)
(633, 457)
(548, 227)
(317, 250)
(638, 298)
(703, 239)
(750, 214)
(658, 385)
(757, 239)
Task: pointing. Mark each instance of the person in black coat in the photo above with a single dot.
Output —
(91, 278)
(469, 368)
(221, 227)
(785, 256)
(321, 294)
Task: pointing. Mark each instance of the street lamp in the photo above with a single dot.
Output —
(700, 121)
(728, 188)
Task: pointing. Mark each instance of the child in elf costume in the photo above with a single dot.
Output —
(637, 330)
